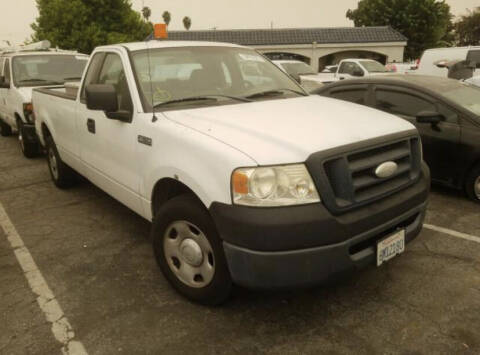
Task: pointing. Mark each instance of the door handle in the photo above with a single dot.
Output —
(91, 125)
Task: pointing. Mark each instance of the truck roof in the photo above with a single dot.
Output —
(136, 46)
(27, 53)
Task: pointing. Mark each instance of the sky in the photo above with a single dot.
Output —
(17, 15)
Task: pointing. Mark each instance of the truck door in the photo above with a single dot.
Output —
(440, 141)
(347, 70)
(108, 147)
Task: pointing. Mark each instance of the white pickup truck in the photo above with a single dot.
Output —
(256, 184)
(21, 70)
(351, 68)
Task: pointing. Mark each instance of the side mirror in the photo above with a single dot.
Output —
(430, 117)
(358, 73)
(101, 97)
(3, 84)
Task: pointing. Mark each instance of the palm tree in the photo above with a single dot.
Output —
(187, 22)
(146, 12)
(167, 17)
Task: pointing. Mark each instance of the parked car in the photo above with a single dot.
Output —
(433, 61)
(350, 68)
(302, 73)
(21, 70)
(446, 112)
(249, 184)
(401, 68)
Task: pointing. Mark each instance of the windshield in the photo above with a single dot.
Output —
(298, 68)
(373, 67)
(186, 72)
(467, 96)
(38, 70)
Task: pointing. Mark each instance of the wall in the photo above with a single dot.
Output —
(392, 51)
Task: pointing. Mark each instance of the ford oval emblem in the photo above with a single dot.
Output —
(386, 169)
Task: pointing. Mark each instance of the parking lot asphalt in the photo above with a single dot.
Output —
(96, 257)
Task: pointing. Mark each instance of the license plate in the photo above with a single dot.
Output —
(390, 247)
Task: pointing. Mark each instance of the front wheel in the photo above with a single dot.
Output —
(62, 175)
(5, 129)
(189, 251)
(472, 184)
(29, 149)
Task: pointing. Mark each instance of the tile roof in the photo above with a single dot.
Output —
(257, 37)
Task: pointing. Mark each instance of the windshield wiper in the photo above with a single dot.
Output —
(201, 98)
(274, 93)
(73, 78)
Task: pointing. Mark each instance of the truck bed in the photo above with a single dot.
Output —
(68, 91)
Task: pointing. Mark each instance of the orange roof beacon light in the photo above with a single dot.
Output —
(160, 31)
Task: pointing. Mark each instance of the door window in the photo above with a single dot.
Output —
(6, 71)
(353, 95)
(349, 68)
(92, 73)
(403, 104)
(112, 73)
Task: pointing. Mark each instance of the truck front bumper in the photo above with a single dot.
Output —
(306, 245)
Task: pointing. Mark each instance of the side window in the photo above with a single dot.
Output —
(402, 104)
(475, 56)
(112, 73)
(6, 71)
(353, 95)
(343, 68)
(450, 115)
(92, 73)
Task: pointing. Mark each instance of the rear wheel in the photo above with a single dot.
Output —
(189, 251)
(5, 129)
(62, 175)
(472, 184)
(29, 150)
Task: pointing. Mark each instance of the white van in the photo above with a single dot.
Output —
(432, 57)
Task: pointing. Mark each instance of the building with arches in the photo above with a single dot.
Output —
(315, 46)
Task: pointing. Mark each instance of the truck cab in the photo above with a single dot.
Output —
(246, 178)
(21, 70)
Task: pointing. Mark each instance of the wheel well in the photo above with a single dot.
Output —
(474, 165)
(165, 190)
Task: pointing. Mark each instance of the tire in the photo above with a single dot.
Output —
(62, 175)
(5, 129)
(29, 150)
(472, 184)
(189, 251)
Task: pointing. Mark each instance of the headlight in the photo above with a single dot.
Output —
(273, 186)
(28, 113)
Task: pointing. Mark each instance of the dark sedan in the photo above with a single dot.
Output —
(446, 112)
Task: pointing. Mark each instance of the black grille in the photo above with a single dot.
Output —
(348, 180)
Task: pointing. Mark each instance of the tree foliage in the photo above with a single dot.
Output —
(167, 17)
(85, 24)
(468, 28)
(425, 23)
(187, 22)
(146, 13)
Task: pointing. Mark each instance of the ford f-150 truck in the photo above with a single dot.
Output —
(246, 180)
(351, 68)
(21, 70)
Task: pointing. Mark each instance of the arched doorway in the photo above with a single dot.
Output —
(335, 58)
(287, 56)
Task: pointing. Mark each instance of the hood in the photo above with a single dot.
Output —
(289, 130)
